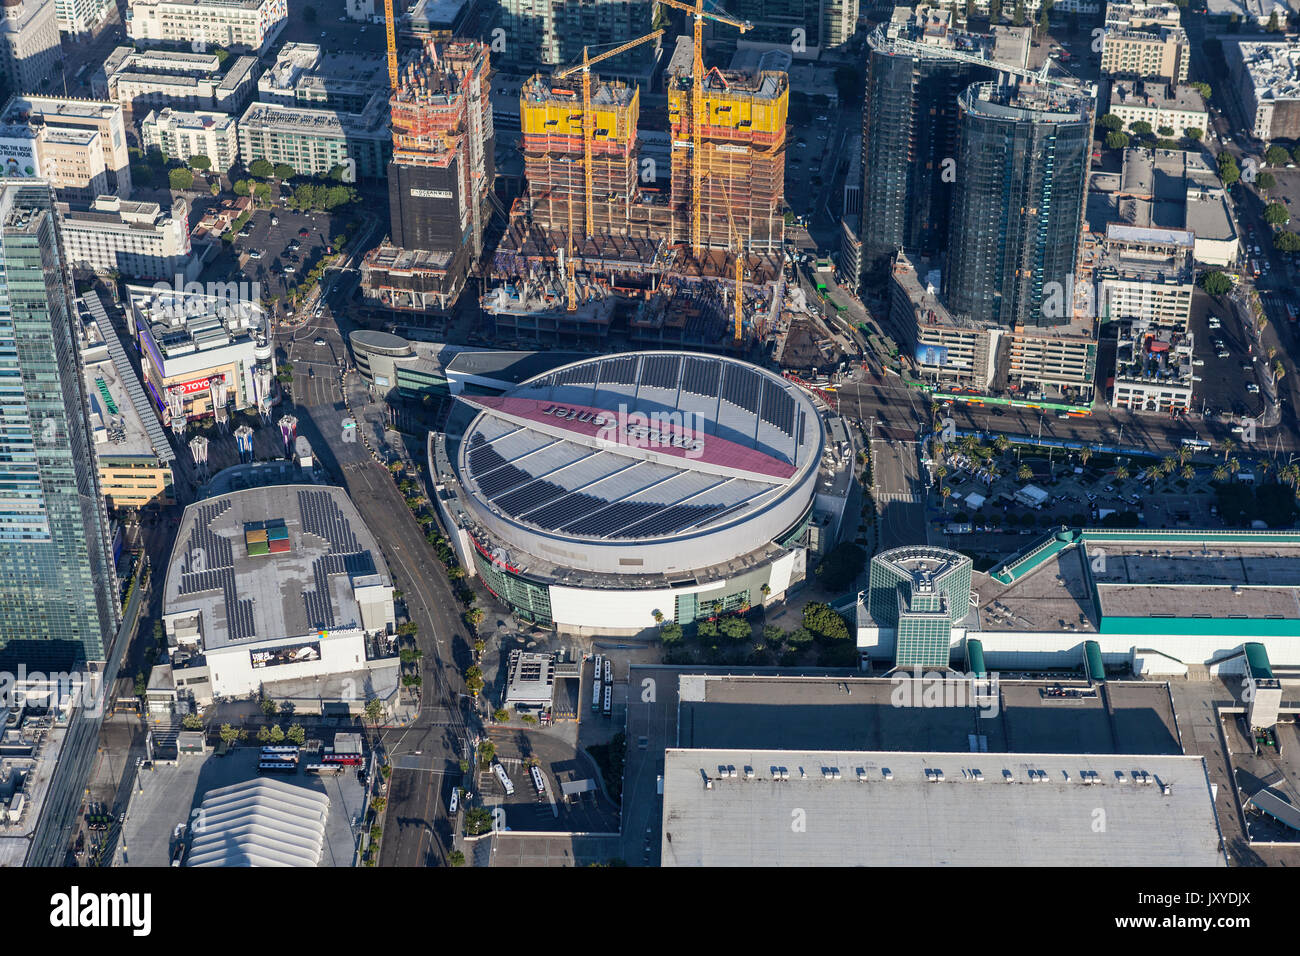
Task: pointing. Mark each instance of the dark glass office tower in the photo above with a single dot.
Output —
(775, 20)
(58, 588)
(909, 120)
(1022, 167)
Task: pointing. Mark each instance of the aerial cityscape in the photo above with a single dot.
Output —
(649, 433)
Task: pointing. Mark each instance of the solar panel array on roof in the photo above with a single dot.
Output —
(530, 496)
(493, 473)
(210, 561)
(619, 371)
(740, 387)
(661, 371)
(700, 376)
(778, 407)
(320, 610)
(322, 517)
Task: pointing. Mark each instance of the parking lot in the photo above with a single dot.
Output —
(1224, 379)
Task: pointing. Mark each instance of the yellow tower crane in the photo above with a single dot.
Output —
(697, 108)
(588, 122)
(740, 266)
(392, 44)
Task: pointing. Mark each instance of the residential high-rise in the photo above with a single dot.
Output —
(547, 33)
(1018, 203)
(917, 66)
(59, 602)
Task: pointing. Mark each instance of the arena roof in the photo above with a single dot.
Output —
(640, 445)
(890, 809)
(242, 596)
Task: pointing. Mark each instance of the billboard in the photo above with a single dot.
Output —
(931, 354)
(18, 156)
(289, 654)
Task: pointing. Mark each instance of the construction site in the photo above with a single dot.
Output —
(440, 180)
(594, 249)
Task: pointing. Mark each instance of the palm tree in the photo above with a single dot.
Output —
(1084, 454)
(940, 473)
(1024, 474)
(1188, 472)
(945, 492)
(1121, 472)
(1272, 352)
(1278, 372)
(1167, 464)
(1234, 466)
(1229, 446)
(1001, 443)
(1220, 473)
(1183, 454)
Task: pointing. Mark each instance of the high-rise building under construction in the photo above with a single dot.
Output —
(440, 179)
(551, 120)
(743, 139)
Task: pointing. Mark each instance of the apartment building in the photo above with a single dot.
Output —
(182, 134)
(304, 75)
(314, 141)
(156, 79)
(244, 25)
(1153, 369)
(135, 239)
(39, 114)
(1145, 40)
(29, 44)
(1266, 75)
(79, 18)
(1146, 274)
(1172, 106)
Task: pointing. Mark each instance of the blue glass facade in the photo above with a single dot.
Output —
(58, 589)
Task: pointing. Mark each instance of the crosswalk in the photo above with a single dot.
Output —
(894, 497)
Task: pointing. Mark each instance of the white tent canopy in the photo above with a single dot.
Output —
(260, 823)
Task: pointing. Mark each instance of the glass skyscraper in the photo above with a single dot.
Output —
(58, 588)
(1022, 169)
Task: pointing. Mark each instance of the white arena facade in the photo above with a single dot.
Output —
(621, 490)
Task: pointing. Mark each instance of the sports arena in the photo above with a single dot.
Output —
(610, 493)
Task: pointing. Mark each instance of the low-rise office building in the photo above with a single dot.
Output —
(305, 75)
(314, 141)
(1266, 76)
(40, 114)
(29, 44)
(1169, 190)
(245, 25)
(181, 134)
(71, 159)
(135, 239)
(155, 79)
(1153, 368)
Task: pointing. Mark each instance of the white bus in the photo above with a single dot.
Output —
(609, 700)
(505, 780)
(595, 694)
(539, 781)
(609, 671)
(454, 805)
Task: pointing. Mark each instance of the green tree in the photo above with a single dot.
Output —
(1277, 155)
(200, 162)
(1018, 18)
(1286, 242)
(192, 722)
(706, 630)
(1228, 169)
(995, 11)
(501, 715)
(1111, 123)
(1265, 181)
(1275, 214)
(487, 750)
(1140, 127)
(229, 734)
(1194, 133)
(477, 820)
(455, 858)
(1166, 131)
(215, 189)
(1216, 283)
(277, 734)
(1273, 25)
(823, 621)
(736, 628)
(297, 734)
(263, 735)
(261, 169)
(1116, 140)
(671, 633)
(474, 616)
(799, 637)
(180, 178)
(474, 680)
(241, 187)
(268, 706)
(262, 192)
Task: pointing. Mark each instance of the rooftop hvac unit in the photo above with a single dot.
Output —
(887, 773)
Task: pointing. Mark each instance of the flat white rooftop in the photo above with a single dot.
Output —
(837, 808)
